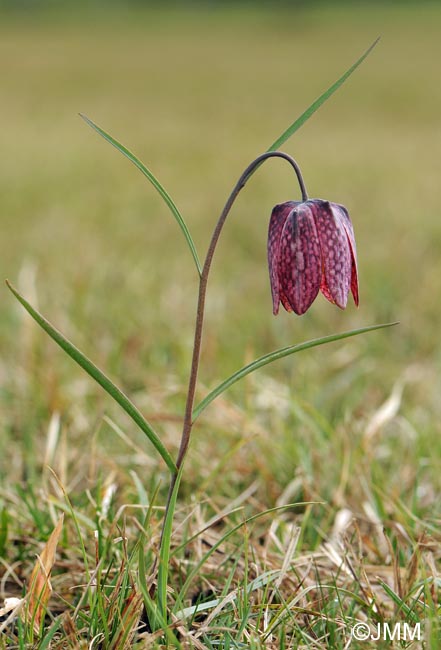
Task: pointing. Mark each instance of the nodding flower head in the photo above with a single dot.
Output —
(311, 247)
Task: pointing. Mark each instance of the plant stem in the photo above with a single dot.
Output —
(200, 311)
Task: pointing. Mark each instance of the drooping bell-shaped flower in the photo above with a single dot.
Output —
(311, 248)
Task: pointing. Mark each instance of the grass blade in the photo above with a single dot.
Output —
(156, 184)
(99, 377)
(295, 126)
(155, 620)
(399, 602)
(164, 555)
(274, 356)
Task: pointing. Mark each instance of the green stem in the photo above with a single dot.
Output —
(200, 310)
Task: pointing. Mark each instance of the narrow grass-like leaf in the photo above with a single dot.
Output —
(156, 184)
(80, 516)
(274, 356)
(164, 555)
(258, 583)
(45, 643)
(295, 126)
(399, 602)
(156, 621)
(99, 377)
(189, 612)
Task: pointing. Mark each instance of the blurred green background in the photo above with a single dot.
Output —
(197, 91)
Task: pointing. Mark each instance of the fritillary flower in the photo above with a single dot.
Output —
(311, 248)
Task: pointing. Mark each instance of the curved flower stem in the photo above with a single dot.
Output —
(188, 421)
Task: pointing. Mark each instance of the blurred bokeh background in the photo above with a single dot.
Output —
(197, 91)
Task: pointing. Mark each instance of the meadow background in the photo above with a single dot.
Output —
(197, 92)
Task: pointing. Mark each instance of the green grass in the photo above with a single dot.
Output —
(197, 95)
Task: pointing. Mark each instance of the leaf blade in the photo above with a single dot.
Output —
(275, 356)
(156, 184)
(165, 550)
(295, 126)
(40, 589)
(111, 389)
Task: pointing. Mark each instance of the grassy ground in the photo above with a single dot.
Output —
(197, 95)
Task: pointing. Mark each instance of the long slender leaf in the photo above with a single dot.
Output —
(156, 184)
(156, 620)
(274, 356)
(262, 580)
(164, 554)
(399, 602)
(295, 126)
(99, 377)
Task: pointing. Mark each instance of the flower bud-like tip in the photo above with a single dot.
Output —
(311, 248)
